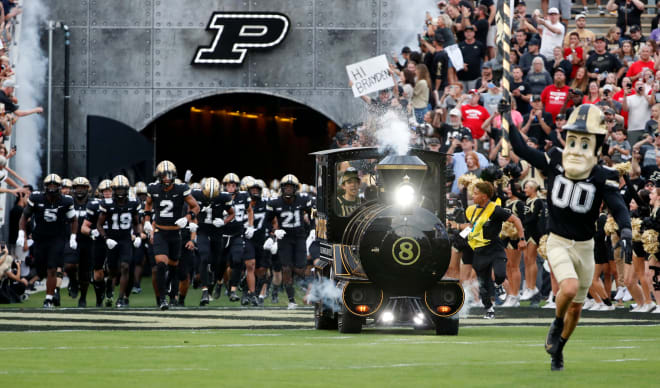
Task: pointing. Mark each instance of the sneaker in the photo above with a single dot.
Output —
(260, 300)
(601, 11)
(619, 293)
(656, 311)
(511, 301)
(122, 303)
(136, 290)
(647, 308)
(529, 293)
(552, 340)
(233, 297)
(605, 307)
(557, 362)
(205, 298)
(274, 299)
(585, 11)
(253, 301)
(291, 306)
(48, 304)
(588, 304)
(163, 304)
(501, 294)
(490, 313)
(73, 290)
(596, 306)
(245, 299)
(626, 296)
(82, 303)
(634, 308)
(550, 305)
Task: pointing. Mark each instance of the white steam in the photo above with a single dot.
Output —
(393, 134)
(325, 291)
(31, 78)
(411, 16)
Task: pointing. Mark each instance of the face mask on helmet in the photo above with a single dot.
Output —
(121, 192)
(80, 191)
(166, 178)
(288, 190)
(53, 189)
(255, 193)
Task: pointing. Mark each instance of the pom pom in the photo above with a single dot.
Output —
(509, 230)
(650, 241)
(636, 229)
(623, 168)
(610, 226)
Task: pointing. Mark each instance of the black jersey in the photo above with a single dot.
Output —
(81, 212)
(573, 205)
(167, 205)
(260, 212)
(345, 207)
(517, 207)
(119, 217)
(236, 227)
(50, 218)
(290, 216)
(533, 219)
(210, 209)
(93, 213)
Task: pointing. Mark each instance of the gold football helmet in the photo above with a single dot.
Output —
(166, 170)
(81, 187)
(66, 182)
(289, 185)
(120, 186)
(211, 188)
(243, 185)
(52, 179)
(140, 188)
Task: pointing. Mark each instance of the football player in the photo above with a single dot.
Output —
(50, 211)
(144, 251)
(288, 214)
(79, 272)
(233, 237)
(213, 203)
(578, 185)
(104, 190)
(121, 213)
(167, 198)
(254, 244)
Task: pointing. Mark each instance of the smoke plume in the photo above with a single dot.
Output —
(325, 291)
(31, 78)
(393, 134)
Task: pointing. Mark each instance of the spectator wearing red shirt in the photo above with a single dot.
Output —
(626, 87)
(474, 115)
(574, 52)
(554, 96)
(636, 69)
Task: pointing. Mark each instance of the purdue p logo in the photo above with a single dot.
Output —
(236, 32)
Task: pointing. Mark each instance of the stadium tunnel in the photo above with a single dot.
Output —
(256, 134)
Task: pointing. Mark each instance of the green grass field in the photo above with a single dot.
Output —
(607, 356)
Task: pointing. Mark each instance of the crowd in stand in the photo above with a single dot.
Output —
(554, 70)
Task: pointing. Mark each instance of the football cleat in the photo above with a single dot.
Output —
(233, 297)
(291, 306)
(205, 298)
(82, 303)
(136, 290)
(217, 291)
(56, 297)
(557, 362)
(490, 313)
(48, 304)
(163, 304)
(552, 341)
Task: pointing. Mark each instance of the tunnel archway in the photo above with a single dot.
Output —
(254, 134)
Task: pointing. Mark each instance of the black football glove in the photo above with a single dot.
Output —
(626, 244)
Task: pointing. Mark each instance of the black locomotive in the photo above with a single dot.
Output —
(387, 258)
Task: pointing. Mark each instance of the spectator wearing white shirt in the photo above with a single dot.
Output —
(638, 106)
(553, 32)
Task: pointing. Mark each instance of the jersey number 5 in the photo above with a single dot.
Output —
(50, 215)
(578, 196)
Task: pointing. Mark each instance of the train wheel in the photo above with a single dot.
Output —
(324, 319)
(348, 323)
(446, 326)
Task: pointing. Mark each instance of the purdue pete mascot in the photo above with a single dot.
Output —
(578, 185)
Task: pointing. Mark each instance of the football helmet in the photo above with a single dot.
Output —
(120, 186)
(195, 186)
(253, 188)
(230, 178)
(104, 185)
(166, 172)
(274, 185)
(52, 180)
(140, 188)
(261, 183)
(243, 186)
(66, 182)
(211, 188)
(590, 120)
(289, 184)
(81, 187)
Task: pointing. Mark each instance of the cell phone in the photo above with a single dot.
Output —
(13, 147)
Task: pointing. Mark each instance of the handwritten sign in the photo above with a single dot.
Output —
(370, 76)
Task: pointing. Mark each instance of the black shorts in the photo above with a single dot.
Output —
(85, 252)
(122, 253)
(99, 251)
(204, 249)
(510, 243)
(70, 256)
(48, 254)
(533, 238)
(168, 243)
(261, 255)
(638, 249)
(468, 255)
(292, 252)
(233, 251)
(187, 261)
(601, 254)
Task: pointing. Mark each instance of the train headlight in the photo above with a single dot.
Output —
(405, 195)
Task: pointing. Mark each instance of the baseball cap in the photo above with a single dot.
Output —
(634, 28)
(433, 140)
(579, 16)
(406, 50)
(602, 37)
(608, 87)
(535, 41)
(349, 174)
(455, 112)
(466, 136)
(560, 116)
(553, 10)
(533, 139)
(470, 27)
(520, 2)
(536, 98)
(559, 69)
